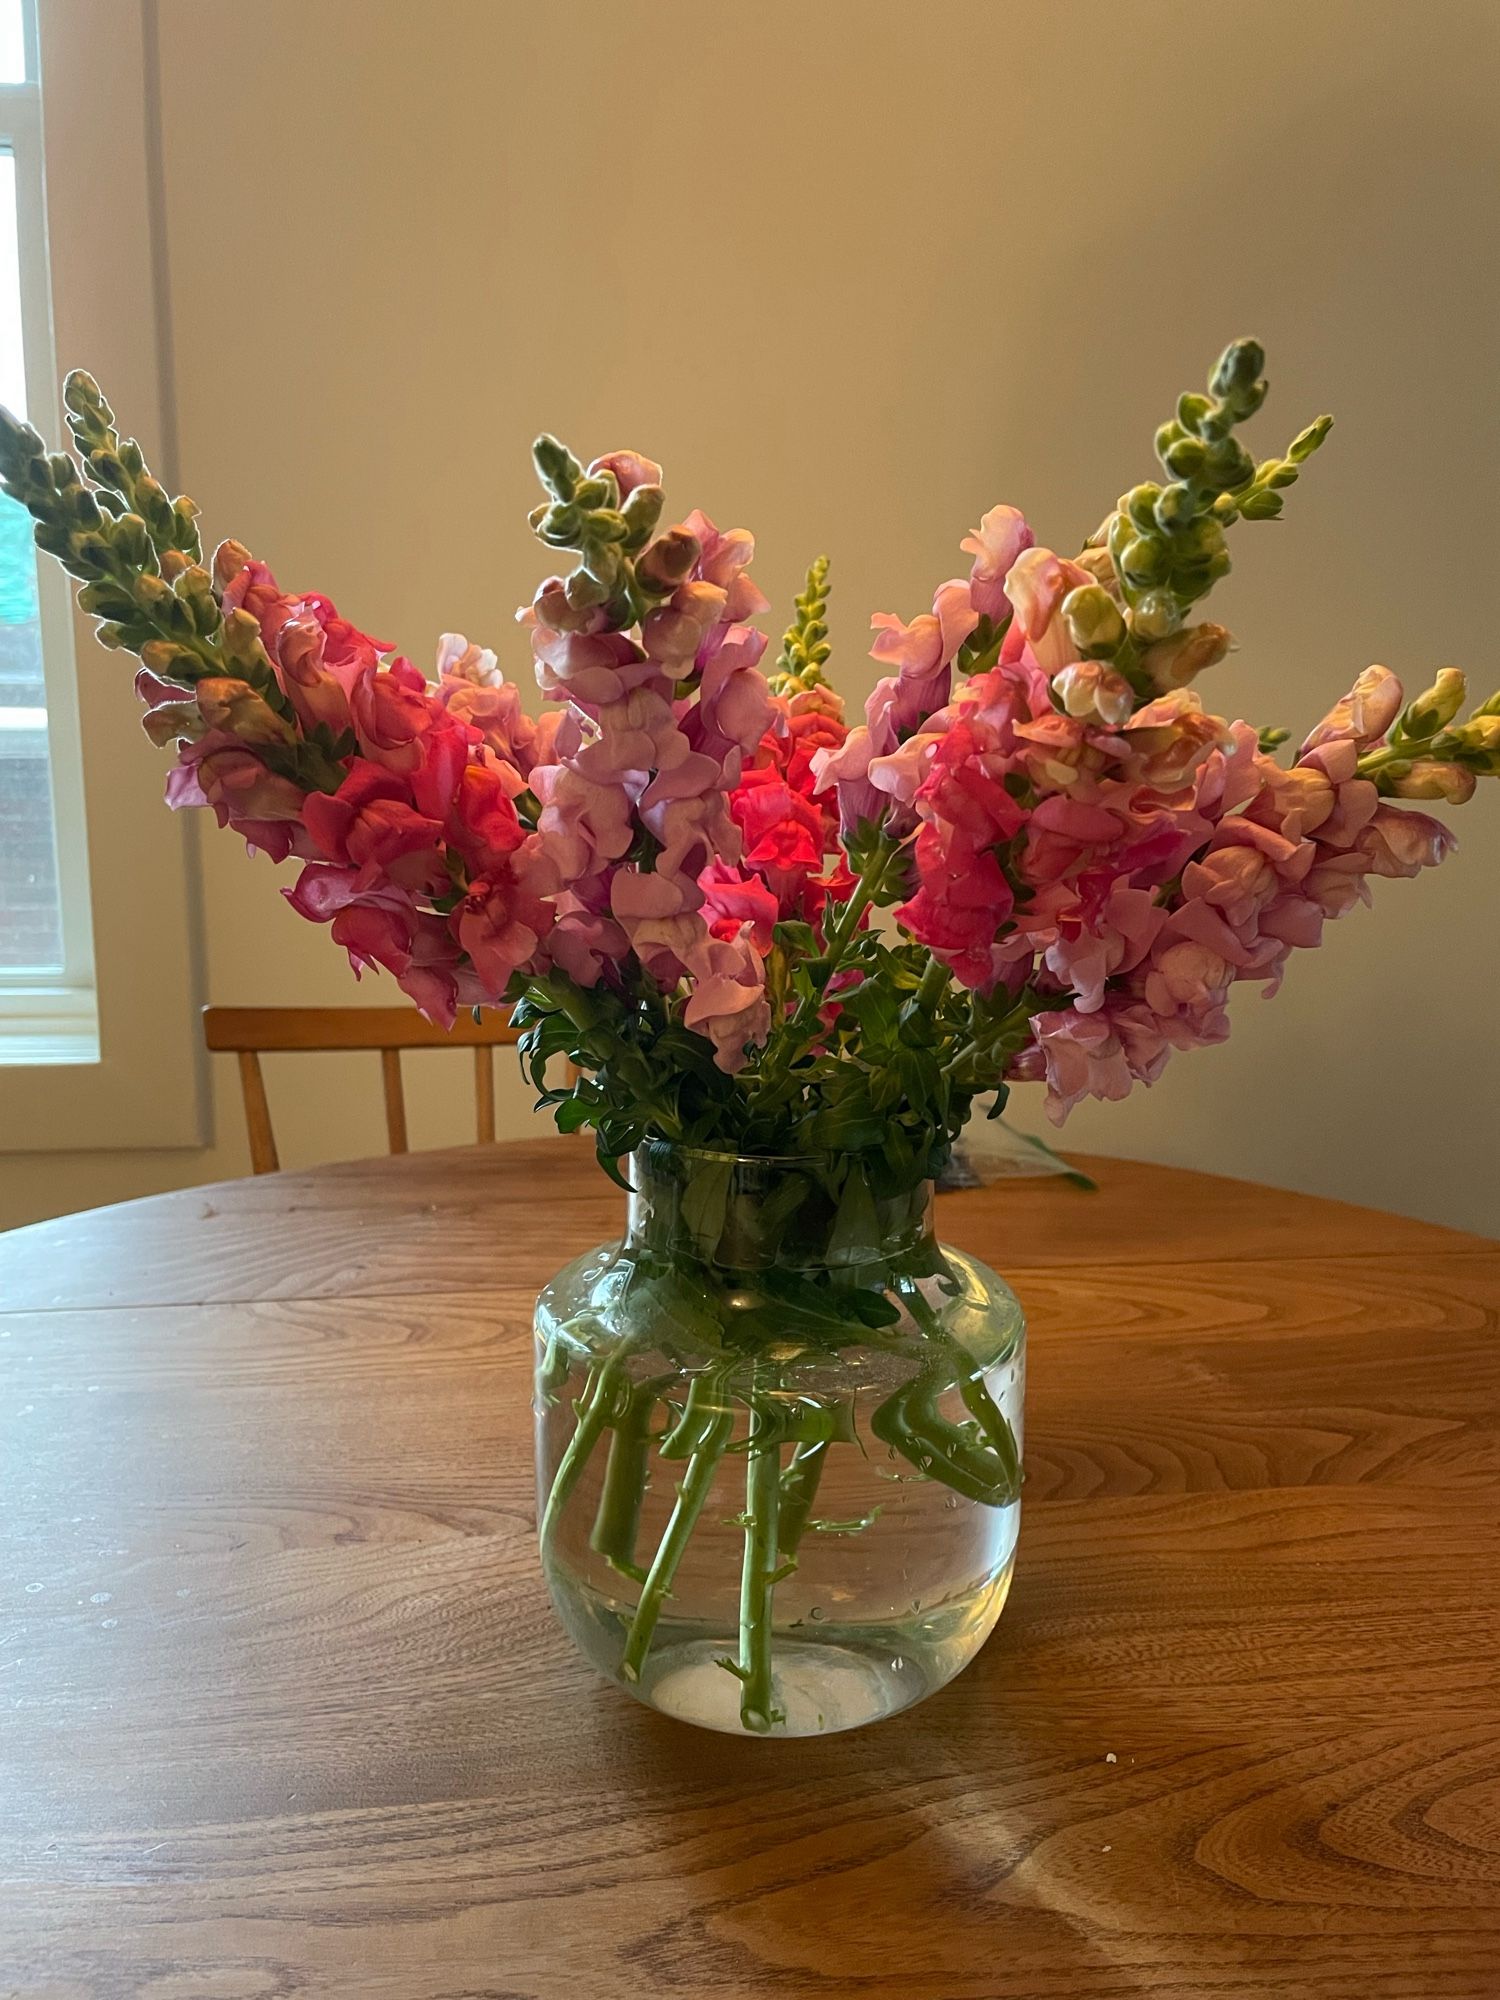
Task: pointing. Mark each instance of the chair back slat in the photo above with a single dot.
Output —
(249, 1032)
(395, 1099)
(263, 1158)
(338, 1029)
(484, 1096)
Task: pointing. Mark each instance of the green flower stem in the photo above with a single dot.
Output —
(987, 1048)
(697, 1483)
(701, 1410)
(595, 1408)
(911, 1421)
(934, 979)
(624, 1490)
(758, 1712)
(804, 1017)
(799, 1489)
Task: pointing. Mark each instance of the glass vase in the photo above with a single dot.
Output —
(778, 1446)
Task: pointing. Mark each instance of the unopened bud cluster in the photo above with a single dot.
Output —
(136, 553)
(1166, 539)
(588, 513)
(804, 647)
(1429, 754)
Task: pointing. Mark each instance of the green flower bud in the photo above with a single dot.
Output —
(1143, 561)
(1140, 504)
(1192, 409)
(235, 706)
(18, 440)
(1192, 580)
(171, 662)
(239, 641)
(595, 491)
(557, 468)
(558, 525)
(1432, 710)
(1175, 506)
(1261, 505)
(1307, 442)
(1229, 465)
(584, 592)
(1237, 367)
(131, 541)
(106, 599)
(1238, 370)
(84, 508)
(1186, 458)
(642, 511)
(154, 507)
(1200, 542)
(106, 469)
(607, 524)
(1094, 621)
(1166, 436)
(83, 396)
(1478, 741)
(93, 552)
(1156, 616)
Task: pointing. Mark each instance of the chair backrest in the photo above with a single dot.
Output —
(250, 1032)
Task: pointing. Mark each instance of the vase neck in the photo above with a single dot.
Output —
(748, 1213)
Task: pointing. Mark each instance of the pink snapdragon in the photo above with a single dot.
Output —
(873, 782)
(641, 762)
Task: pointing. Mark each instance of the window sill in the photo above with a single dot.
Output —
(44, 1026)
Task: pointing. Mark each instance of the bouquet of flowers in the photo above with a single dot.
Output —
(672, 874)
(754, 929)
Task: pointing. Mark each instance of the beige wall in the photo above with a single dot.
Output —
(854, 272)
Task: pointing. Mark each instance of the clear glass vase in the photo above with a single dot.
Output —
(778, 1446)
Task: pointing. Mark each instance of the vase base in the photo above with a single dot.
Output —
(818, 1687)
(845, 1677)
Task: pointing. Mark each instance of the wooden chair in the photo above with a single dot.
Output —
(250, 1032)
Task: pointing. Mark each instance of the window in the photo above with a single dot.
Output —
(46, 974)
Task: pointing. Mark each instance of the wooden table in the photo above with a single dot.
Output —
(283, 1711)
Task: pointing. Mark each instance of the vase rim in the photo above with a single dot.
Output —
(682, 1150)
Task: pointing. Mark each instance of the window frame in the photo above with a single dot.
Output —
(48, 1014)
(101, 150)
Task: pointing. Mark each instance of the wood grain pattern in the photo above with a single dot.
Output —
(283, 1711)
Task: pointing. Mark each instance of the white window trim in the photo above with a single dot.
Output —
(50, 1016)
(145, 1087)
